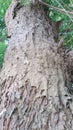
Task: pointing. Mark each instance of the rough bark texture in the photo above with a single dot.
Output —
(33, 80)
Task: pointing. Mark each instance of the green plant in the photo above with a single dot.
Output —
(62, 10)
(3, 7)
(3, 35)
(3, 47)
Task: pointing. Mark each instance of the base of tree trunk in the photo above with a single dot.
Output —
(36, 78)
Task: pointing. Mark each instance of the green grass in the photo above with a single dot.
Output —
(3, 47)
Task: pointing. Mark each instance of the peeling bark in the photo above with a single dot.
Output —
(34, 77)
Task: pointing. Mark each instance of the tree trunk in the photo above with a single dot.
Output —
(36, 77)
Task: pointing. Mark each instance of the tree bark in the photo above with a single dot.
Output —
(36, 77)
